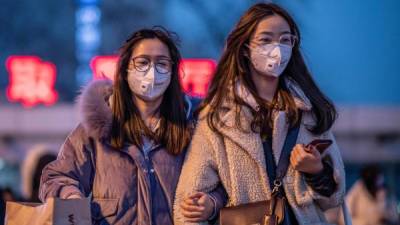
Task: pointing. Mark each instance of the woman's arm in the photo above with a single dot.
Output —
(199, 172)
(204, 206)
(70, 175)
(323, 182)
(334, 198)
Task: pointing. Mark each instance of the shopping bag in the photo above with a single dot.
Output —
(54, 212)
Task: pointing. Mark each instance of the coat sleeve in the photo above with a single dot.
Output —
(333, 156)
(199, 173)
(71, 173)
(323, 182)
(220, 198)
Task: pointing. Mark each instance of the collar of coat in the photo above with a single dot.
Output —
(250, 141)
(300, 99)
(94, 108)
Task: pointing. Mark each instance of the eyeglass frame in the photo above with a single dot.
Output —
(132, 61)
(295, 39)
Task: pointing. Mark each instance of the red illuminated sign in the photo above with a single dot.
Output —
(104, 66)
(31, 81)
(195, 74)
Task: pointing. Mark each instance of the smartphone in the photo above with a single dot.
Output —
(320, 144)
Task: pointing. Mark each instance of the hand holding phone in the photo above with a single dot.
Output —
(320, 144)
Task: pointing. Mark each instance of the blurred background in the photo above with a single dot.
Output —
(49, 49)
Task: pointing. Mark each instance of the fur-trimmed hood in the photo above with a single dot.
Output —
(94, 108)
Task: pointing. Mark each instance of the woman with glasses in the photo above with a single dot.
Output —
(127, 152)
(261, 92)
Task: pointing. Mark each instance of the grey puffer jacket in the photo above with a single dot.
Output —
(126, 185)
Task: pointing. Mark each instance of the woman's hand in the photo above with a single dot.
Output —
(197, 207)
(306, 159)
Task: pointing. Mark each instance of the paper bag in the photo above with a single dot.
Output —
(54, 212)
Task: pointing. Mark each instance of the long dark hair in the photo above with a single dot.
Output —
(234, 65)
(127, 124)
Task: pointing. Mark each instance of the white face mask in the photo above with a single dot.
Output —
(148, 85)
(271, 59)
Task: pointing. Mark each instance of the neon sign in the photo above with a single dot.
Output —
(195, 74)
(31, 81)
(104, 67)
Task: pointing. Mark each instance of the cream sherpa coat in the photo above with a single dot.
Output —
(237, 160)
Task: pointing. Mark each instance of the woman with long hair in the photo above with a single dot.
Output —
(127, 152)
(261, 91)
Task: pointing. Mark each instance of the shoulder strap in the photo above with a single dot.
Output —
(290, 142)
(277, 172)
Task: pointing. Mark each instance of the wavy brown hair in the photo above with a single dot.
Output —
(234, 65)
(127, 124)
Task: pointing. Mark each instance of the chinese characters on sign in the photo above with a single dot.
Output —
(103, 67)
(195, 74)
(32, 80)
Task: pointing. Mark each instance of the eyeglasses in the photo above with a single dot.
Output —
(284, 39)
(143, 64)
